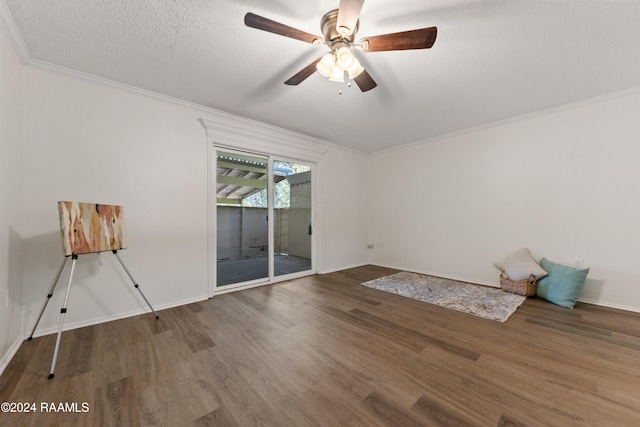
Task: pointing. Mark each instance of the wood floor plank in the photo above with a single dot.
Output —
(325, 351)
(217, 418)
(389, 412)
(115, 404)
(436, 414)
(418, 336)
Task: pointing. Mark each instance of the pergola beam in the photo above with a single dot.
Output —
(241, 182)
(225, 201)
(240, 166)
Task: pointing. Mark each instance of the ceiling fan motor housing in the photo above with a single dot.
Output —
(330, 30)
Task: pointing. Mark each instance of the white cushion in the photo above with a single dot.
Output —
(520, 265)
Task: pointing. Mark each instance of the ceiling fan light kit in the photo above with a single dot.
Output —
(326, 64)
(344, 58)
(337, 75)
(334, 64)
(339, 27)
(355, 69)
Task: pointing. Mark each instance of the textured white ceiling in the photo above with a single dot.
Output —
(492, 60)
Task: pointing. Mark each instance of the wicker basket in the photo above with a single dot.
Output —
(526, 287)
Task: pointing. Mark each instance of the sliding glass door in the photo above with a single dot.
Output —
(292, 214)
(242, 218)
(264, 221)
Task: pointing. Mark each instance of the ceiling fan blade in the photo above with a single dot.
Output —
(348, 14)
(415, 39)
(364, 81)
(261, 23)
(303, 74)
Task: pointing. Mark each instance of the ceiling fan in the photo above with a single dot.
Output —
(339, 27)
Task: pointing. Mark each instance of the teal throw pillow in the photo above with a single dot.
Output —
(562, 285)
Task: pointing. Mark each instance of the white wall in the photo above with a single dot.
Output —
(563, 183)
(343, 210)
(11, 224)
(90, 142)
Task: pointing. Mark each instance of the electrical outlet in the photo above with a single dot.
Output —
(579, 263)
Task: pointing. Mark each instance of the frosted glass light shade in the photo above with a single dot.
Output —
(344, 58)
(355, 68)
(326, 64)
(337, 75)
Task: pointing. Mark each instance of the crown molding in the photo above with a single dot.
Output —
(230, 128)
(514, 119)
(15, 38)
(227, 128)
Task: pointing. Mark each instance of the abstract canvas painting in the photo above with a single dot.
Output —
(91, 227)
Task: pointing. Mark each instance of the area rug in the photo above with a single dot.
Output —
(483, 301)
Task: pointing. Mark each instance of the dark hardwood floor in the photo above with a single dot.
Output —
(325, 351)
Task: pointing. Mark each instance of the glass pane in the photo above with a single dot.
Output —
(292, 217)
(242, 220)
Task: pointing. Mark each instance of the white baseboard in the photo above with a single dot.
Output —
(12, 352)
(609, 305)
(67, 327)
(104, 319)
(444, 276)
(497, 285)
(344, 267)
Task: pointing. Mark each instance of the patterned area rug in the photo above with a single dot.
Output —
(483, 301)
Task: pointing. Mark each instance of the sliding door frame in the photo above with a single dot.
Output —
(253, 138)
(270, 240)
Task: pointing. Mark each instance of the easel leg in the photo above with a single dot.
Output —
(63, 311)
(49, 295)
(134, 282)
